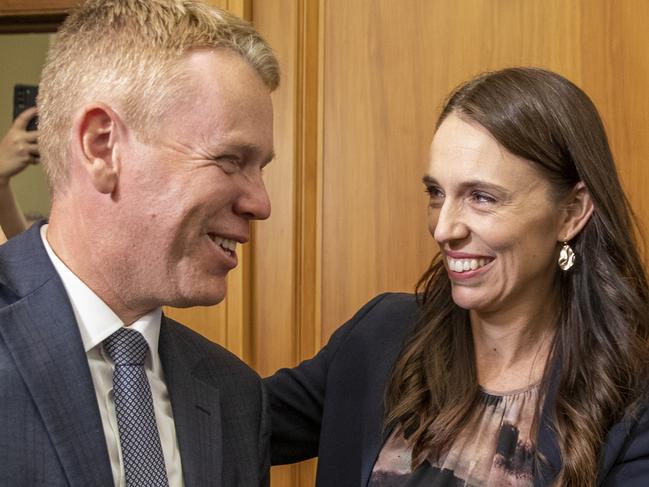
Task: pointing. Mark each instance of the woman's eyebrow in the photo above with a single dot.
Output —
(429, 180)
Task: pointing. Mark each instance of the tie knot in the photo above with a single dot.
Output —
(126, 347)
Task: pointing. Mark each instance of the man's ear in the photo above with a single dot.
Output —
(97, 132)
(575, 212)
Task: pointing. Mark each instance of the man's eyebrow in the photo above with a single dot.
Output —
(248, 149)
(268, 160)
(428, 180)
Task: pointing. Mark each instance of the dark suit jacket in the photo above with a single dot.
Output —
(332, 407)
(50, 429)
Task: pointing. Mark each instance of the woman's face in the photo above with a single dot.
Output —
(494, 218)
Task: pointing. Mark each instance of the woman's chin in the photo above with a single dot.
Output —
(470, 300)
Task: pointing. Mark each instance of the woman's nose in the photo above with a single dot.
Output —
(449, 224)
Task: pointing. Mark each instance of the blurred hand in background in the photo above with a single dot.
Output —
(18, 149)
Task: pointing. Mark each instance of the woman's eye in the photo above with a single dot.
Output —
(482, 198)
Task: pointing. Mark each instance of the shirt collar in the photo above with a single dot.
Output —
(95, 319)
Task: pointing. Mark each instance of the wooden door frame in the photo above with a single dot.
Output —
(25, 16)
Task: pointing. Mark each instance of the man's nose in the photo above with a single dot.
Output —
(254, 202)
(450, 224)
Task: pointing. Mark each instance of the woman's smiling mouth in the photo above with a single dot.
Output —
(464, 265)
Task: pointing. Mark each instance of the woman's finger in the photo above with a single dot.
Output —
(23, 119)
(32, 149)
(31, 136)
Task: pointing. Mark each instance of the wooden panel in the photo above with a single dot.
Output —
(35, 7)
(616, 75)
(242, 8)
(273, 262)
(378, 115)
(286, 266)
(273, 302)
(388, 67)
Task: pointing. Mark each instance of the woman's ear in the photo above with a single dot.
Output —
(97, 133)
(576, 210)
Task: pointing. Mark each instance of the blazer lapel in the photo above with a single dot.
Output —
(374, 434)
(372, 411)
(547, 445)
(44, 341)
(373, 438)
(196, 410)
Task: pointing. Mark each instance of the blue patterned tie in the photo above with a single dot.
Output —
(144, 464)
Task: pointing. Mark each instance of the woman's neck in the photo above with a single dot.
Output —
(512, 348)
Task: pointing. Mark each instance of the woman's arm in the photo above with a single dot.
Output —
(297, 397)
(18, 149)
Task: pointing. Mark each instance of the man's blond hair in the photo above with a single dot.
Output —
(125, 53)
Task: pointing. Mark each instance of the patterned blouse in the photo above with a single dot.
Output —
(494, 450)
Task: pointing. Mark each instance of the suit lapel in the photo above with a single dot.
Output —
(44, 341)
(196, 411)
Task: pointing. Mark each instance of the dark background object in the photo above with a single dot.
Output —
(24, 98)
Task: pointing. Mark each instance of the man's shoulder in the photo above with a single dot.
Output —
(210, 361)
(24, 265)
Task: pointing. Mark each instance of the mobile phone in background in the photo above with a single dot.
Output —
(24, 98)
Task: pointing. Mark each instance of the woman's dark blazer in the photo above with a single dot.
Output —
(332, 407)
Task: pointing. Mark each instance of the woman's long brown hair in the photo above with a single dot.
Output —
(603, 323)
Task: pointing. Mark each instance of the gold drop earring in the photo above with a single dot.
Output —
(566, 257)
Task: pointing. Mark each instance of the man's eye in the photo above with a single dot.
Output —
(482, 198)
(434, 192)
(228, 164)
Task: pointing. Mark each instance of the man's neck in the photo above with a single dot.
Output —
(86, 262)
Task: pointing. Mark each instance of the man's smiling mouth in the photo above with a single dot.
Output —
(228, 245)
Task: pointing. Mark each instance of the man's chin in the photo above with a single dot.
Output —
(204, 297)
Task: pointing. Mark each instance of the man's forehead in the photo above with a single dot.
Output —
(220, 66)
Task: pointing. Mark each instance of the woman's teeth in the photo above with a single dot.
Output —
(463, 265)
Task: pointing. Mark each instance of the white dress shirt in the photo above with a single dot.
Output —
(97, 322)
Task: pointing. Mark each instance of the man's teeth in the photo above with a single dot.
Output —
(463, 265)
(225, 243)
